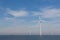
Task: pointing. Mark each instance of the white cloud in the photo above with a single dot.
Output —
(50, 12)
(50, 27)
(47, 12)
(17, 13)
(35, 13)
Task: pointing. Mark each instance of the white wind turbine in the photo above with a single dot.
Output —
(40, 26)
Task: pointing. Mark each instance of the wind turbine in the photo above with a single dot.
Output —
(40, 26)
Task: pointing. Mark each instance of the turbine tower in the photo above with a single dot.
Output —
(40, 26)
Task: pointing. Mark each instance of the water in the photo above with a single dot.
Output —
(50, 37)
(29, 37)
(19, 37)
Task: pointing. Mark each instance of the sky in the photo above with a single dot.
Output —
(19, 17)
(50, 17)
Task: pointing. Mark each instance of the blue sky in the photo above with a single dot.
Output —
(19, 17)
(22, 17)
(50, 17)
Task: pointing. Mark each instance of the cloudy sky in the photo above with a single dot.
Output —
(19, 17)
(50, 17)
(27, 16)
